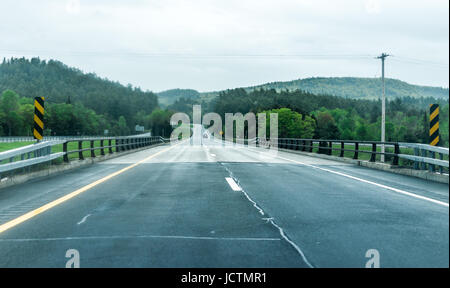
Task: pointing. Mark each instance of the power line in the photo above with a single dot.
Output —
(190, 55)
(219, 55)
(419, 61)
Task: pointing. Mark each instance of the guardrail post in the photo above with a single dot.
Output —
(66, 156)
(311, 146)
(441, 157)
(330, 151)
(356, 150)
(110, 146)
(320, 147)
(373, 155)
(431, 167)
(416, 164)
(80, 147)
(396, 152)
(102, 149)
(423, 164)
(92, 149)
(117, 145)
(341, 154)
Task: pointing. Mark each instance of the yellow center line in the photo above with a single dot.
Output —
(35, 212)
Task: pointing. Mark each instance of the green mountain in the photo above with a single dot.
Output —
(170, 96)
(350, 87)
(59, 83)
(358, 88)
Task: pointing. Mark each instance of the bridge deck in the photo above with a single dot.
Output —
(176, 209)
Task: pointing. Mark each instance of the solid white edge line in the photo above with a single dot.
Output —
(445, 204)
(371, 182)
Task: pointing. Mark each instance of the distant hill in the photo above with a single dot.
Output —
(350, 87)
(59, 83)
(170, 96)
(357, 88)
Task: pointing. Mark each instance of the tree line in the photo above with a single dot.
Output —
(75, 103)
(84, 104)
(73, 119)
(305, 115)
(82, 96)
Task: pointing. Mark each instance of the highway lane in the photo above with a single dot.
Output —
(176, 209)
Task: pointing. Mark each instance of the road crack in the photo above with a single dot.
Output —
(269, 219)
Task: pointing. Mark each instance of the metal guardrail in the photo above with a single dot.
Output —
(426, 154)
(58, 138)
(38, 153)
(424, 157)
(28, 155)
(328, 146)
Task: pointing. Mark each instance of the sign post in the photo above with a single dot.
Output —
(434, 124)
(38, 130)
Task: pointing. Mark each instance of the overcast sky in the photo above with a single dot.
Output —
(213, 45)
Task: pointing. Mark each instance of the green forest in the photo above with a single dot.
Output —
(85, 104)
(336, 117)
(168, 97)
(75, 103)
(351, 87)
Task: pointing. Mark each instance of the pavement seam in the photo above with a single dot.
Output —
(269, 219)
(139, 237)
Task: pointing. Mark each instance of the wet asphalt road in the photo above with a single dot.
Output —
(176, 209)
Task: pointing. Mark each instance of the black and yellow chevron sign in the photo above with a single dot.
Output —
(38, 118)
(434, 124)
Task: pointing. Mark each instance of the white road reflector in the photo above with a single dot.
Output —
(233, 184)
